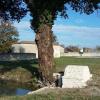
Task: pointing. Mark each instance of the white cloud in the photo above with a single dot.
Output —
(66, 34)
(25, 32)
(77, 35)
(78, 30)
(23, 25)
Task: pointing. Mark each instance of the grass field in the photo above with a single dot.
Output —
(93, 63)
(60, 64)
(89, 93)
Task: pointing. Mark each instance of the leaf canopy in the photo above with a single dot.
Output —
(44, 11)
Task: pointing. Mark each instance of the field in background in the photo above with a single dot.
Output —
(60, 63)
(93, 63)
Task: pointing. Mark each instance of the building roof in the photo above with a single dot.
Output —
(33, 42)
(26, 42)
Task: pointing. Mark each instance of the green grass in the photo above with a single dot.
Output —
(51, 96)
(60, 63)
(9, 65)
(93, 63)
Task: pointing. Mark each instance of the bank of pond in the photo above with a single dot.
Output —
(11, 88)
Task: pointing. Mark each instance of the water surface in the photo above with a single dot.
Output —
(9, 88)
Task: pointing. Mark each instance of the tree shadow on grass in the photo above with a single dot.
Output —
(30, 65)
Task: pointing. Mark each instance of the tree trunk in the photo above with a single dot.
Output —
(45, 52)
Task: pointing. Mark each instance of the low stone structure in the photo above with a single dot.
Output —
(17, 56)
(77, 54)
(30, 47)
(75, 76)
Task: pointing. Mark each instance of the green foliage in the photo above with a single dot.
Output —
(44, 11)
(54, 38)
(98, 48)
(12, 9)
(72, 49)
(8, 36)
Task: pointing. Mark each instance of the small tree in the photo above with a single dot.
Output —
(54, 38)
(72, 49)
(8, 36)
(98, 48)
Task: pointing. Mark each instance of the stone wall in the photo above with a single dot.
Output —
(17, 56)
(25, 48)
(32, 48)
(90, 54)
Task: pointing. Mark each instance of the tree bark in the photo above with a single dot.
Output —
(44, 41)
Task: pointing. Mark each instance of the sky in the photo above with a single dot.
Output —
(77, 30)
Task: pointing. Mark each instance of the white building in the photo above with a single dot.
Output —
(30, 47)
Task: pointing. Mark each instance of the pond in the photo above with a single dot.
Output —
(10, 88)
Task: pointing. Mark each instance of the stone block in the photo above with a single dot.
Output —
(75, 76)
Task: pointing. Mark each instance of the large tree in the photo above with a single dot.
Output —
(8, 36)
(44, 12)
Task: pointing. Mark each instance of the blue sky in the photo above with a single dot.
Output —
(78, 30)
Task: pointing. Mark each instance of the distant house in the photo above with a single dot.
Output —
(71, 49)
(30, 47)
(87, 50)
